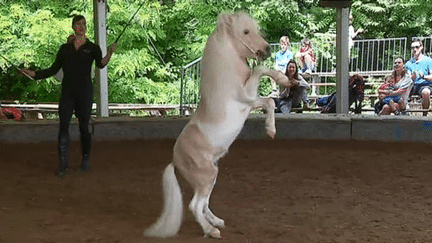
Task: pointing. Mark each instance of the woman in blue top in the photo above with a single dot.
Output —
(75, 58)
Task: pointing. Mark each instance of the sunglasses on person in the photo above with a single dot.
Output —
(415, 47)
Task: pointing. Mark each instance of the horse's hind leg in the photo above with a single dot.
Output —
(213, 219)
(199, 204)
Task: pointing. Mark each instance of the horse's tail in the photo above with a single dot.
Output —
(170, 220)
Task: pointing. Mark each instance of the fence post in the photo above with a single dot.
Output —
(342, 61)
(101, 74)
(182, 112)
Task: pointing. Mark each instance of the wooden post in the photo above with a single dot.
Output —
(315, 80)
(342, 52)
(99, 9)
(342, 60)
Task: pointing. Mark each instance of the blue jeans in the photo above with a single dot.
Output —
(395, 99)
(312, 68)
(296, 96)
(418, 88)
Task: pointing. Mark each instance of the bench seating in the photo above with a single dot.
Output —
(40, 111)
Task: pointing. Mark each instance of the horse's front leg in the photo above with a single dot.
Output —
(260, 71)
(251, 86)
(268, 105)
(251, 89)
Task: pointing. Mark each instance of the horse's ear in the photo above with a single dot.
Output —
(224, 21)
(242, 14)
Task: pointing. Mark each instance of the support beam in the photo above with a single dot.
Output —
(99, 9)
(342, 51)
(342, 60)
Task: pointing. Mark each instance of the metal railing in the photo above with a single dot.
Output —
(371, 57)
(189, 86)
(377, 55)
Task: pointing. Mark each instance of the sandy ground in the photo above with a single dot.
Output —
(267, 191)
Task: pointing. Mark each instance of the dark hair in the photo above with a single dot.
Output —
(296, 72)
(77, 18)
(399, 57)
(417, 40)
(404, 71)
(305, 41)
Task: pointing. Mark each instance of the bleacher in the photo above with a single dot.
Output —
(43, 110)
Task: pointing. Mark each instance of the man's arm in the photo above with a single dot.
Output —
(107, 57)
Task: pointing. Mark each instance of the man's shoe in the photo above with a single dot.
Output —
(61, 172)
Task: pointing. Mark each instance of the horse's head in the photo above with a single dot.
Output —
(245, 35)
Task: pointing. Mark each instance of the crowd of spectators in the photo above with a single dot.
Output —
(412, 78)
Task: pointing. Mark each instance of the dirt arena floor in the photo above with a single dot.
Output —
(267, 191)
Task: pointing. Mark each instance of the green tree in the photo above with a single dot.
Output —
(165, 35)
(393, 18)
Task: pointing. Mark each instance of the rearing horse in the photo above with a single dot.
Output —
(229, 91)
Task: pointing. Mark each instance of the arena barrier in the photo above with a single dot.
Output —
(294, 126)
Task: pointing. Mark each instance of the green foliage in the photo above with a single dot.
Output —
(134, 73)
(166, 35)
(143, 90)
(393, 18)
(31, 36)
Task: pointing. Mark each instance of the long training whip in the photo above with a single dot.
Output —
(13, 65)
(129, 22)
(154, 47)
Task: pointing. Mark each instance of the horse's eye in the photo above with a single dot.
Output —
(246, 31)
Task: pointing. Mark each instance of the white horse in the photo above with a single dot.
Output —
(228, 94)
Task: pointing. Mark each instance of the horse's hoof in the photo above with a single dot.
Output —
(271, 133)
(220, 224)
(214, 233)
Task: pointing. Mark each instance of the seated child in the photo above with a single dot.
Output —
(391, 100)
(389, 85)
(306, 57)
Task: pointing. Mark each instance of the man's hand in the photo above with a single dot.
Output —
(414, 75)
(27, 72)
(113, 47)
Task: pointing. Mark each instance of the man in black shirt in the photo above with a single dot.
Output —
(76, 59)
